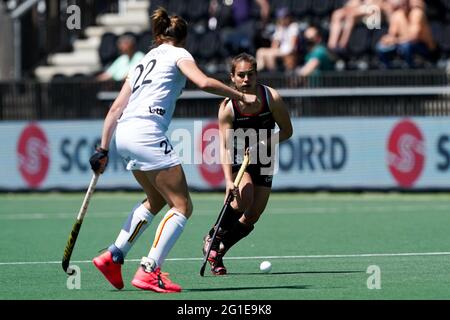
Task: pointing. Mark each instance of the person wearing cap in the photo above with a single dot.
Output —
(283, 46)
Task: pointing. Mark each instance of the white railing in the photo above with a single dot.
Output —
(319, 92)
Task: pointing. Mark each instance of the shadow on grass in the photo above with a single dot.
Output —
(294, 272)
(225, 289)
(247, 288)
(303, 287)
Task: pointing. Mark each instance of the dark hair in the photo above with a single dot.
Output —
(243, 57)
(168, 28)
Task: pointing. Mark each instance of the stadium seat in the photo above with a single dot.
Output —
(375, 36)
(446, 3)
(155, 4)
(178, 7)
(198, 10)
(209, 45)
(276, 4)
(206, 46)
(359, 41)
(57, 77)
(339, 4)
(441, 8)
(192, 44)
(301, 8)
(322, 7)
(437, 30)
(108, 50)
(81, 77)
(144, 41)
(445, 40)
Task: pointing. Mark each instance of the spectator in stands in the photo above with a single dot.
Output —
(317, 57)
(284, 44)
(128, 59)
(344, 19)
(238, 27)
(409, 34)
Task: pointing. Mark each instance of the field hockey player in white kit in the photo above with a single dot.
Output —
(141, 115)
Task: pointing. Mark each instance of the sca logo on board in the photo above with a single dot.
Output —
(33, 154)
(406, 153)
(210, 166)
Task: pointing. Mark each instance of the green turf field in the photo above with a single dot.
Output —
(320, 246)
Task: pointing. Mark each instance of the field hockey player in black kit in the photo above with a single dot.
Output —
(243, 127)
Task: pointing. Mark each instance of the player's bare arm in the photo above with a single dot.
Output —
(205, 83)
(281, 116)
(99, 160)
(225, 130)
(114, 114)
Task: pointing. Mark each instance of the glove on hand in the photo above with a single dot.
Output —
(99, 160)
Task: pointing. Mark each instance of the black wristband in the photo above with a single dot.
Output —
(101, 150)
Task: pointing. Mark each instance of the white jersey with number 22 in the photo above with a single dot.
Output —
(156, 83)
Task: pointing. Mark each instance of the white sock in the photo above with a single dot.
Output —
(136, 223)
(169, 230)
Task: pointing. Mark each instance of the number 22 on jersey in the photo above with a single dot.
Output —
(140, 81)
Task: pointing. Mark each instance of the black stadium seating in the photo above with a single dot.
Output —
(108, 50)
(198, 11)
(144, 41)
(322, 7)
(205, 45)
(445, 40)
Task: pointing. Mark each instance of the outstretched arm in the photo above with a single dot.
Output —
(190, 69)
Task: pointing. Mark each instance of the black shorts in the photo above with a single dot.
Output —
(254, 170)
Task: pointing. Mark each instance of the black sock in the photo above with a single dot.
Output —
(230, 217)
(238, 232)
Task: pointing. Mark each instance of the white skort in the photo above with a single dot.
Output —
(142, 149)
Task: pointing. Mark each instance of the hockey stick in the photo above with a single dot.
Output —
(237, 180)
(76, 227)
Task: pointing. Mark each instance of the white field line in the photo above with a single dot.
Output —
(325, 256)
(376, 197)
(203, 212)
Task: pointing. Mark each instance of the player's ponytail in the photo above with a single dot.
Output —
(160, 22)
(165, 28)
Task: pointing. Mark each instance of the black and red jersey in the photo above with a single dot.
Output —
(262, 119)
(251, 125)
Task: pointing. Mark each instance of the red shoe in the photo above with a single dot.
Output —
(111, 271)
(154, 280)
(216, 262)
(215, 258)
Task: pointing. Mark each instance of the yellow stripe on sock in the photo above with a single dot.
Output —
(160, 229)
(136, 231)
